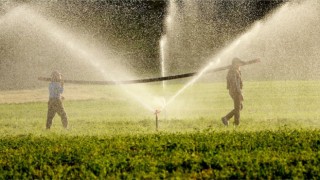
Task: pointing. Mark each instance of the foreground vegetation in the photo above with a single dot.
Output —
(111, 136)
(268, 155)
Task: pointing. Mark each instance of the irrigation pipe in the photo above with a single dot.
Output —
(147, 80)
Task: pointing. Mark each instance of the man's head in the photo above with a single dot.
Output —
(55, 76)
(236, 62)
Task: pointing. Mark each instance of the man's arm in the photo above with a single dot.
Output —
(61, 88)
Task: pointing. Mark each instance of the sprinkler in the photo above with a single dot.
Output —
(157, 121)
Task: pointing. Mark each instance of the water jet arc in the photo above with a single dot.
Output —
(138, 81)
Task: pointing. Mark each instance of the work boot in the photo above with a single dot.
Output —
(225, 121)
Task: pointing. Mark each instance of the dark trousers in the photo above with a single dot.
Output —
(55, 106)
(237, 104)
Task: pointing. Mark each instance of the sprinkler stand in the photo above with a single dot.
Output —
(157, 120)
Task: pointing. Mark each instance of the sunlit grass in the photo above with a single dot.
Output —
(103, 110)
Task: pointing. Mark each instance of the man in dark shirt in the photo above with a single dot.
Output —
(55, 100)
(234, 85)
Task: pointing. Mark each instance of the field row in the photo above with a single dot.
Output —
(267, 106)
(266, 154)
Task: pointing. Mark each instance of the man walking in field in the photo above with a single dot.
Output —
(55, 100)
(234, 85)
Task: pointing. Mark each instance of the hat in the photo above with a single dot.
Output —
(237, 61)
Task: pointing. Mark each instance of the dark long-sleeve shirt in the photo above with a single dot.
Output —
(234, 81)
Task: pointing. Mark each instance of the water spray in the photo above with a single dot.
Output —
(57, 34)
(163, 42)
(162, 57)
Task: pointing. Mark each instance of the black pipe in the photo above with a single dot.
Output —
(137, 81)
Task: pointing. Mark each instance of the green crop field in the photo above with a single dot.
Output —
(113, 136)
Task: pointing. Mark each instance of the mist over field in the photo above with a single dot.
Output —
(38, 37)
(113, 125)
(114, 41)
